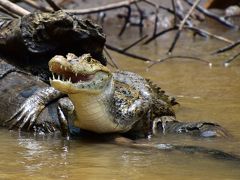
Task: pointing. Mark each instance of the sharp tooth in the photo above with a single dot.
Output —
(58, 77)
(61, 66)
(53, 76)
(50, 79)
(69, 79)
(76, 74)
(65, 68)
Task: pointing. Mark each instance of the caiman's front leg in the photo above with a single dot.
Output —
(66, 115)
(32, 107)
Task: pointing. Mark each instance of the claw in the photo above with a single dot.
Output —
(25, 120)
(13, 116)
(23, 116)
(31, 122)
(63, 123)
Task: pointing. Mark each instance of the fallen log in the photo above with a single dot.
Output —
(15, 88)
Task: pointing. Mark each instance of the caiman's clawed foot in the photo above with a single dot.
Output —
(27, 113)
(201, 129)
(31, 108)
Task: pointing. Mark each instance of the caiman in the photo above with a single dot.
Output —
(104, 102)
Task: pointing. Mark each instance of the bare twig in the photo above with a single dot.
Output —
(108, 7)
(110, 57)
(221, 20)
(226, 48)
(155, 22)
(53, 5)
(35, 5)
(2, 9)
(141, 18)
(228, 61)
(159, 34)
(127, 53)
(209, 34)
(156, 15)
(13, 8)
(174, 10)
(127, 20)
(134, 43)
(178, 57)
(181, 26)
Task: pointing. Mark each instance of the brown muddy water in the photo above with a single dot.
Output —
(205, 93)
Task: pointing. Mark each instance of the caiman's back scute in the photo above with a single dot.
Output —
(160, 94)
(31, 41)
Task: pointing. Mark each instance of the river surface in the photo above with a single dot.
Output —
(205, 93)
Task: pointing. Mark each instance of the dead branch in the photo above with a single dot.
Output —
(135, 43)
(159, 34)
(156, 21)
(209, 34)
(227, 48)
(199, 31)
(37, 6)
(181, 26)
(111, 59)
(141, 18)
(127, 20)
(13, 8)
(127, 53)
(178, 57)
(53, 5)
(2, 9)
(213, 16)
(228, 61)
(174, 10)
(102, 8)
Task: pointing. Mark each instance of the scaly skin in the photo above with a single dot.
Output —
(108, 102)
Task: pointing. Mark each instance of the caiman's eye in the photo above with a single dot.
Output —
(89, 59)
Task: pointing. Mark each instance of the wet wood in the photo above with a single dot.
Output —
(15, 88)
(13, 8)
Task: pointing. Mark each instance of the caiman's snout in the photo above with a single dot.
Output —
(74, 74)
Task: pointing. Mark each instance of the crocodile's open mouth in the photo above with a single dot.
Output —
(64, 73)
(74, 78)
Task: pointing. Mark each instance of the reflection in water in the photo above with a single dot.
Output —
(35, 155)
